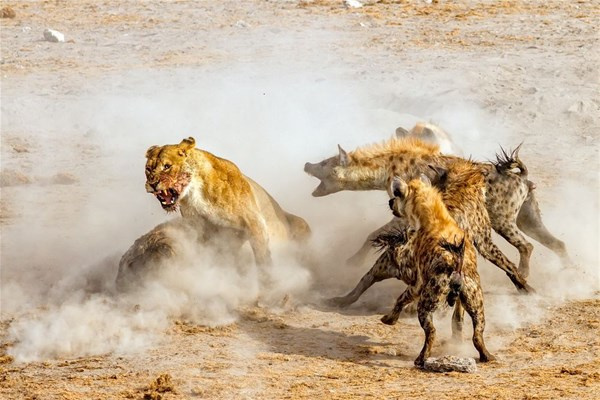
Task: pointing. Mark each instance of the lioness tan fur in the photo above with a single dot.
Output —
(212, 193)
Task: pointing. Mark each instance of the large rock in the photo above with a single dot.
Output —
(450, 363)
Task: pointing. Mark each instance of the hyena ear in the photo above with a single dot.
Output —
(425, 179)
(398, 188)
(427, 133)
(441, 174)
(343, 156)
(186, 146)
(401, 132)
(150, 150)
(515, 153)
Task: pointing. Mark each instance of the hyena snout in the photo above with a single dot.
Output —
(310, 168)
(391, 204)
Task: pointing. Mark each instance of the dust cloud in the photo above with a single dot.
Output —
(60, 259)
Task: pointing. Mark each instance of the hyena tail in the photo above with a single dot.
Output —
(509, 161)
(456, 279)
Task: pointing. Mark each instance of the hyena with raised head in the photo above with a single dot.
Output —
(510, 198)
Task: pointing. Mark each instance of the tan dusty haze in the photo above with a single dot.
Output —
(271, 85)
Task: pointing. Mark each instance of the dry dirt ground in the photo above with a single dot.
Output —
(72, 194)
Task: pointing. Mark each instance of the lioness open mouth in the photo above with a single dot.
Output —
(168, 199)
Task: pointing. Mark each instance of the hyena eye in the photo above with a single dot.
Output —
(166, 166)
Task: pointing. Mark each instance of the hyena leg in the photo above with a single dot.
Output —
(384, 268)
(426, 307)
(529, 220)
(472, 298)
(405, 298)
(457, 321)
(359, 257)
(492, 253)
(509, 231)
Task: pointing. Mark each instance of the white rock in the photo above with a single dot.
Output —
(450, 363)
(391, 352)
(242, 24)
(50, 35)
(353, 3)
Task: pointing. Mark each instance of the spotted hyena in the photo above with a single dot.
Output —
(439, 265)
(510, 198)
(431, 133)
(462, 187)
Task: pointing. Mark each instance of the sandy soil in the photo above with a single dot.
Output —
(78, 116)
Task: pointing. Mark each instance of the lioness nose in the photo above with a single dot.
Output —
(151, 186)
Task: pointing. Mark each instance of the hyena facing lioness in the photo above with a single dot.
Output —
(462, 188)
(510, 199)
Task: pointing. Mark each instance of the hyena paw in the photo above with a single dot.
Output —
(390, 319)
(420, 362)
(486, 357)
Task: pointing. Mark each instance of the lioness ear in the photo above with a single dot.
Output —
(150, 151)
(186, 145)
(398, 188)
(344, 158)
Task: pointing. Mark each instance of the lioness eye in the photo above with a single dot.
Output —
(166, 166)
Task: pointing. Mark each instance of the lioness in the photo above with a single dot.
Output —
(211, 192)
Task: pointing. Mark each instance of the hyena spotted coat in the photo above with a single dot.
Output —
(510, 198)
(462, 187)
(443, 262)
